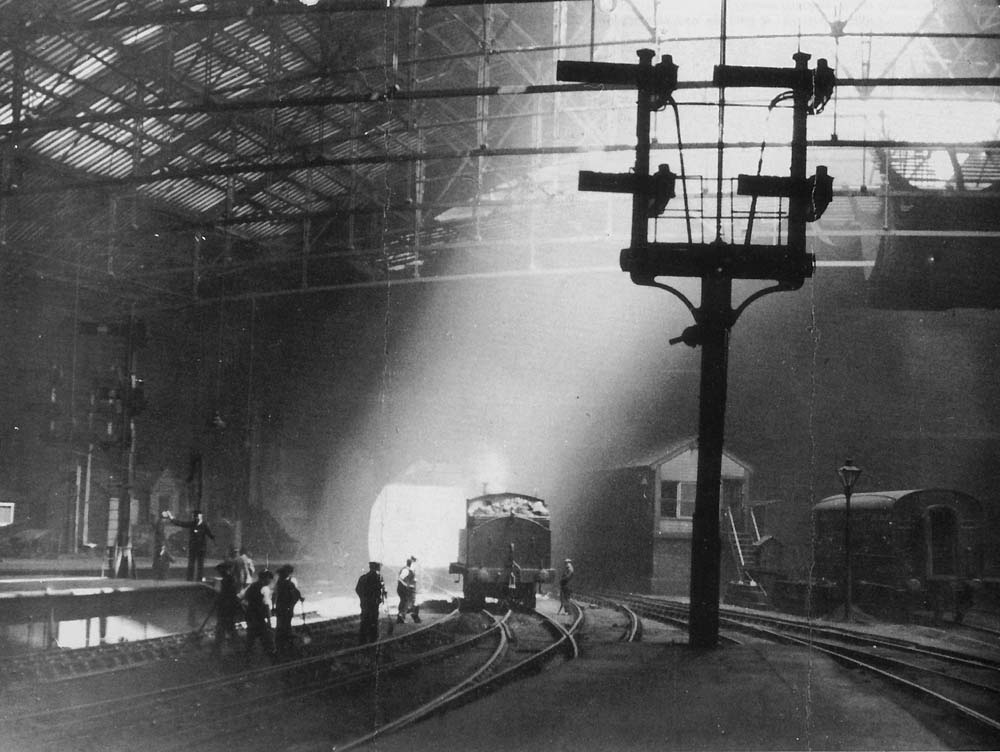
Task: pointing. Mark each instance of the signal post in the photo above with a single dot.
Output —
(717, 264)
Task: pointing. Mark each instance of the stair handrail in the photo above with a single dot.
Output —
(756, 530)
(736, 541)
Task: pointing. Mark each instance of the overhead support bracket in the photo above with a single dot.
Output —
(718, 259)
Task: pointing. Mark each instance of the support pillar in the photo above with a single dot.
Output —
(716, 263)
(715, 315)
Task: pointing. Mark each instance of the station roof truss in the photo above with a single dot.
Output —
(165, 153)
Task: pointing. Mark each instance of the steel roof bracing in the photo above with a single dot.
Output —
(161, 153)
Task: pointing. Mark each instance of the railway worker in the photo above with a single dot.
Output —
(161, 556)
(257, 600)
(198, 537)
(227, 607)
(565, 586)
(286, 597)
(371, 592)
(242, 565)
(406, 589)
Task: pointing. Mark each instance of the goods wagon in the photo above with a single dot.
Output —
(505, 550)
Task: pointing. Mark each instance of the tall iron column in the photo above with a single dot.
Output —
(717, 264)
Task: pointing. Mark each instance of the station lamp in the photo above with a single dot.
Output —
(849, 474)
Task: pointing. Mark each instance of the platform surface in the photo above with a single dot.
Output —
(664, 695)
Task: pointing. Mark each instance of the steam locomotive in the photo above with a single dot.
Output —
(505, 550)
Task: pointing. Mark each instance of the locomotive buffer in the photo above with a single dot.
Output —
(717, 264)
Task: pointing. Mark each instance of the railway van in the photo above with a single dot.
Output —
(909, 549)
(505, 550)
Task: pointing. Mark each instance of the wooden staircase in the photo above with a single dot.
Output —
(745, 550)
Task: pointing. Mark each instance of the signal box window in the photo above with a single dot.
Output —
(677, 499)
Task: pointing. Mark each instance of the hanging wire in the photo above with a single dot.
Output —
(722, 124)
(680, 151)
(836, 66)
(760, 161)
(253, 319)
(218, 358)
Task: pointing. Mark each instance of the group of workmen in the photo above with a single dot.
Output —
(371, 592)
(242, 596)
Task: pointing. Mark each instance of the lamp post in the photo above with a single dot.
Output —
(849, 474)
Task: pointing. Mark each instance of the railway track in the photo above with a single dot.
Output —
(508, 666)
(986, 635)
(632, 629)
(341, 697)
(66, 665)
(635, 608)
(961, 686)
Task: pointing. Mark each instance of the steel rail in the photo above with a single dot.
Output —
(988, 631)
(434, 705)
(889, 660)
(296, 694)
(847, 634)
(67, 665)
(633, 627)
(754, 623)
(467, 689)
(64, 721)
(633, 631)
(866, 638)
(848, 655)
